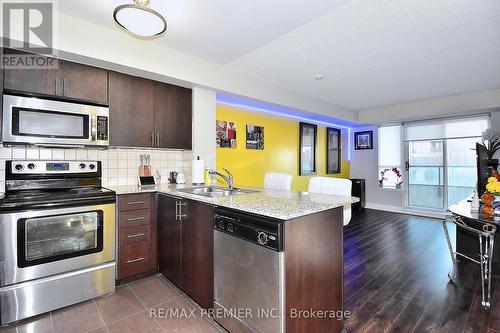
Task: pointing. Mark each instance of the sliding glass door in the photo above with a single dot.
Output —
(461, 166)
(441, 161)
(440, 172)
(426, 174)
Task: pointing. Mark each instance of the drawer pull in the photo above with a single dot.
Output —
(135, 203)
(136, 235)
(135, 260)
(135, 218)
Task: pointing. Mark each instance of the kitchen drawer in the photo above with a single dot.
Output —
(133, 259)
(133, 201)
(132, 235)
(133, 218)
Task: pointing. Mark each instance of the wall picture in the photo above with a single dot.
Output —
(255, 137)
(307, 149)
(363, 140)
(333, 156)
(225, 134)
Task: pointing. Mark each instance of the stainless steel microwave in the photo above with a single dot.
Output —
(49, 123)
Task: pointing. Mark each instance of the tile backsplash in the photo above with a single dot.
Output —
(119, 166)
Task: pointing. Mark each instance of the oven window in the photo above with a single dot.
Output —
(51, 238)
(50, 124)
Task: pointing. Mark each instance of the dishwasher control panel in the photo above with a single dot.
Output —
(255, 229)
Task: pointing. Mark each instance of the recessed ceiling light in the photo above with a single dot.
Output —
(319, 77)
(139, 20)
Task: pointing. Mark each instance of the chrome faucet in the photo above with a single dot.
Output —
(229, 179)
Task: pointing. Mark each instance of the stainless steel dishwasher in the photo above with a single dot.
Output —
(249, 273)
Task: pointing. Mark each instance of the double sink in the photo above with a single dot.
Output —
(215, 191)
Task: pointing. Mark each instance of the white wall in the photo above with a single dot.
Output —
(432, 108)
(364, 164)
(204, 114)
(89, 43)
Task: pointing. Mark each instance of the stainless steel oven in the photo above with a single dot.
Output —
(57, 237)
(43, 122)
(39, 243)
(53, 258)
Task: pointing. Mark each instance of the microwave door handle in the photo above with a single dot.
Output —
(93, 127)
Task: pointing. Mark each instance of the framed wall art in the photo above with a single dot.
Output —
(307, 149)
(333, 151)
(363, 140)
(255, 137)
(225, 134)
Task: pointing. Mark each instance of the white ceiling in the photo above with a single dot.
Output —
(370, 52)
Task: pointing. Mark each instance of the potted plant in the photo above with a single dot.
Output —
(491, 141)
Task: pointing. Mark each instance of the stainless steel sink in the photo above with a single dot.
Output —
(215, 191)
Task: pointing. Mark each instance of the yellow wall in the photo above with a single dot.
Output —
(281, 149)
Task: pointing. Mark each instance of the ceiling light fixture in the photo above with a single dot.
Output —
(319, 77)
(139, 20)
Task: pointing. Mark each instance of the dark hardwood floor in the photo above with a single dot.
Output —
(395, 269)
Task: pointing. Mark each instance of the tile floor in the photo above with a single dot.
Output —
(126, 311)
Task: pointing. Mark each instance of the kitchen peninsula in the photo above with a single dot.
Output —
(285, 248)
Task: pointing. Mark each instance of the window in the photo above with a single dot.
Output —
(389, 156)
(442, 160)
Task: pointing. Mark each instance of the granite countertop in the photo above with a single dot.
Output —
(283, 205)
(463, 209)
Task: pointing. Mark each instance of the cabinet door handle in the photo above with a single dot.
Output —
(180, 210)
(152, 139)
(138, 218)
(136, 235)
(176, 210)
(135, 203)
(157, 139)
(135, 260)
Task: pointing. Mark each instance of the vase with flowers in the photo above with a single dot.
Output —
(491, 141)
(491, 197)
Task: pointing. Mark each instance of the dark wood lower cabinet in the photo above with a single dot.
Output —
(185, 246)
(169, 240)
(137, 236)
(197, 252)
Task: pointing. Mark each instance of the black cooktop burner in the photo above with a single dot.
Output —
(26, 198)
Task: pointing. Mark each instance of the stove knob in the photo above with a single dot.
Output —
(92, 166)
(19, 167)
(82, 165)
(262, 238)
(31, 166)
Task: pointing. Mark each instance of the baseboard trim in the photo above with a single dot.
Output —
(396, 209)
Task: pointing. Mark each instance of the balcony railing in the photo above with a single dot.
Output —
(426, 184)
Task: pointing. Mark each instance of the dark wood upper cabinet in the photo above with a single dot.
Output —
(173, 116)
(68, 80)
(169, 239)
(35, 81)
(197, 252)
(131, 108)
(84, 82)
(143, 113)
